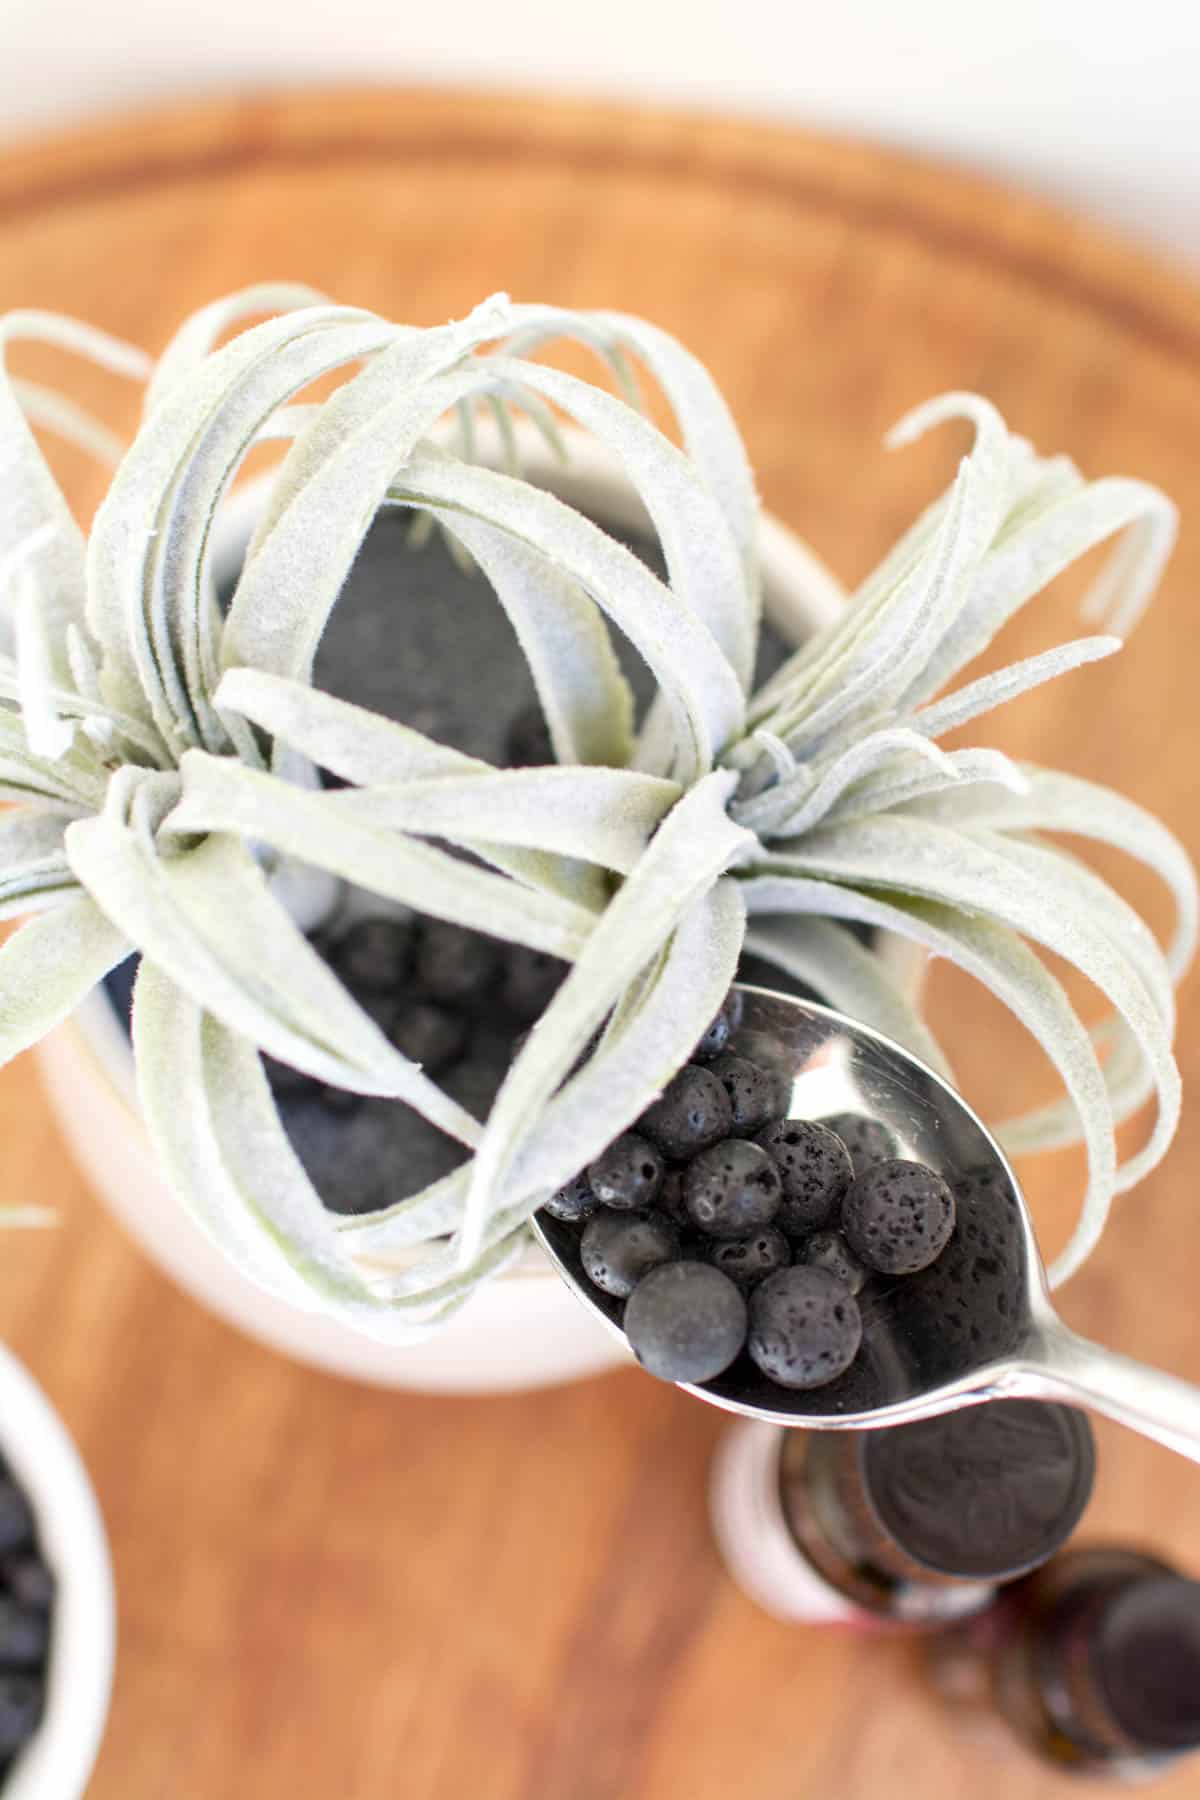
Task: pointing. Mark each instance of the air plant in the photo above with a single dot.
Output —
(162, 750)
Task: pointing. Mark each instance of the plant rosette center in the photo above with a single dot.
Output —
(162, 750)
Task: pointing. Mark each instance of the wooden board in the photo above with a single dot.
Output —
(333, 1592)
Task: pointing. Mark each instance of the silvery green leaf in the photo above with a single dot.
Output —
(32, 500)
(121, 557)
(605, 816)
(220, 795)
(52, 411)
(203, 330)
(1066, 803)
(905, 780)
(927, 860)
(583, 694)
(693, 847)
(629, 1069)
(1003, 685)
(206, 917)
(846, 975)
(710, 434)
(999, 959)
(703, 562)
(703, 692)
(1017, 570)
(802, 801)
(49, 965)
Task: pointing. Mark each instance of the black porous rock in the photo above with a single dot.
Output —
(692, 1112)
(529, 981)
(28, 1580)
(474, 1081)
(898, 1217)
(24, 1635)
(971, 1300)
(16, 1518)
(829, 1250)
(288, 1083)
(867, 1140)
(732, 1188)
(815, 1168)
(374, 955)
(749, 1260)
(618, 1248)
(428, 1034)
(672, 1200)
(628, 1174)
(716, 1039)
(527, 743)
(21, 1702)
(685, 1321)
(372, 1158)
(754, 1095)
(452, 964)
(572, 1203)
(805, 1327)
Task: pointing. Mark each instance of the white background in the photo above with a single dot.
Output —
(1089, 100)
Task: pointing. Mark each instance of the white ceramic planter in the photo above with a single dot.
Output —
(58, 1761)
(523, 1330)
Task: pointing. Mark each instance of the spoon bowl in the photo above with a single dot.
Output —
(978, 1324)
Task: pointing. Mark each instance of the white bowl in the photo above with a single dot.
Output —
(525, 1329)
(45, 1463)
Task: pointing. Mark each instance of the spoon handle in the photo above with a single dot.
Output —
(1073, 1369)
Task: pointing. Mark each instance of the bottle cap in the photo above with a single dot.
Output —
(1146, 1660)
(984, 1493)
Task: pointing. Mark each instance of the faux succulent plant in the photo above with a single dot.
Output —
(162, 752)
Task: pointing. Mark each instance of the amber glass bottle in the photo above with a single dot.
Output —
(1093, 1663)
(909, 1527)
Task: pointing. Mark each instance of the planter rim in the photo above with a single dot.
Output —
(58, 1761)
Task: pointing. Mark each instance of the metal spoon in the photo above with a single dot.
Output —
(976, 1326)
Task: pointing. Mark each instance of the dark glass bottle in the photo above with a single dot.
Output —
(1093, 1663)
(911, 1527)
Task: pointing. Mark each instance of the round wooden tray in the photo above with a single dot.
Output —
(327, 1591)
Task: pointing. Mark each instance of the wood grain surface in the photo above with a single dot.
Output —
(338, 1594)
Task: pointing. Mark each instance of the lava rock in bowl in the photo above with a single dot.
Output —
(628, 1174)
(898, 1217)
(805, 1327)
(829, 1250)
(754, 1096)
(867, 1140)
(732, 1188)
(815, 1170)
(686, 1321)
(692, 1113)
(749, 1260)
(618, 1248)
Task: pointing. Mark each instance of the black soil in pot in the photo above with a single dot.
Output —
(417, 639)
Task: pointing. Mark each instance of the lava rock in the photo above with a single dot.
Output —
(21, 1701)
(429, 1035)
(24, 1635)
(529, 981)
(867, 1140)
(732, 1189)
(618, 1248)
(16, 1518)
(527, 742)
(754, 1095)
(288, 1083)
(805, 1327)
(716, 1039)
(685, 1321)
(383, 1152)
(829, 1250)
(749, 1260)
(692, 1112)
(628, 1174)
(374, 955)
(815, 1169)
(672, 1200)
(572, 1203)
(452, 964)
(29, 1581)
(898, 1217)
